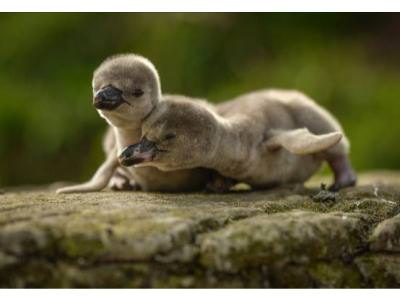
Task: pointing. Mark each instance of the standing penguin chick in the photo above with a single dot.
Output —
(126, 90)
(264, 138)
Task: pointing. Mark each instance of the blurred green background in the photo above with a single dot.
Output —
(349, 63)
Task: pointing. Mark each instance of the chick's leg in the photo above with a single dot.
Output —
(343, 172)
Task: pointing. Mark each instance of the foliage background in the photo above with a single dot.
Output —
(49, 131)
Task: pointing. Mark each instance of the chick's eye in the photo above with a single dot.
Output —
(169, 136)
(137, 92)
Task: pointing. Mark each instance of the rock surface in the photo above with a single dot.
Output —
(277, 238)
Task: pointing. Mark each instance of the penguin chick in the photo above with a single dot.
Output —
(126, 89)
(264, 138)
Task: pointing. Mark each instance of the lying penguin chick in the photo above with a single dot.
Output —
(286, 109)
(126, 89)
(264, 139)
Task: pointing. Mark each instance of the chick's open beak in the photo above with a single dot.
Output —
(144, 151)
(108, 98)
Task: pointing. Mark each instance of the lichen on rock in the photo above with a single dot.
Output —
(273, 238)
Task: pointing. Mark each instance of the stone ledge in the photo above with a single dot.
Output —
(276, 238)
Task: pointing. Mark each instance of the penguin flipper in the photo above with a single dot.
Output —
(302, 141)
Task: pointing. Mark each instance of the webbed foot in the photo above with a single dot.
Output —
(121, 183)
(220, 184)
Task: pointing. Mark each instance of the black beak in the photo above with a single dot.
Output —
(108, 98)
(144, 151)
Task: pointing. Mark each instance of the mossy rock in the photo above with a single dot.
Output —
(386, 236)
(275, 238)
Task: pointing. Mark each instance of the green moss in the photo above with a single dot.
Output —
(335, 274)
(380, 270)
(7, 260)
(81, 246)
